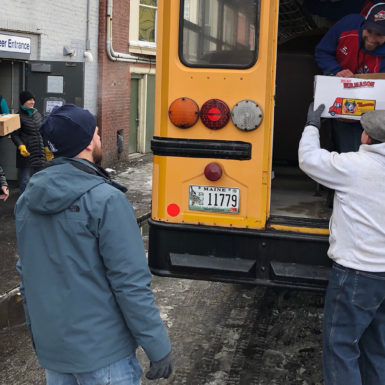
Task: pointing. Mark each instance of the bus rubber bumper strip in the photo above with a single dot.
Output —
(201, 148)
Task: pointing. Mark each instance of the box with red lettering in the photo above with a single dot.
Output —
(349, 98)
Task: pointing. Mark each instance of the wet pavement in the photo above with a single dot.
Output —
(221, 334)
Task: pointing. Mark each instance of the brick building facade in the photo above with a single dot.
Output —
(86, 53)
(121, 65)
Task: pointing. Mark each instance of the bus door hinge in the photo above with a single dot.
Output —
(265, 177)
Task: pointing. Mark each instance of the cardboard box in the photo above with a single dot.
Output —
(9, 123)
(349, 98)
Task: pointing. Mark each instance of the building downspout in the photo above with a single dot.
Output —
(87, 52)
(119, 56)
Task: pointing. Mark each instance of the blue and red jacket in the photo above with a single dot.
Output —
(369, 4)
(342, 48)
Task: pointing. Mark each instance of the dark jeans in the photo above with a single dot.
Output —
(354, 328)
(346, 136)
(25, 174)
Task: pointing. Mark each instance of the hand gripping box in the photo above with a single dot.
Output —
(9, 123)
(349, 98)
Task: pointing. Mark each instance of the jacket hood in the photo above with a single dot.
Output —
(375, 151)
(55, 188)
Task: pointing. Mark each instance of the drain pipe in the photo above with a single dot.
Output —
(119, 56)
(87, 52)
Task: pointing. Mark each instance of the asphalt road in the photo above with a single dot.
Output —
(221, 334)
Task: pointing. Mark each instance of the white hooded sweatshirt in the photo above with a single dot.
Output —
(357, 225)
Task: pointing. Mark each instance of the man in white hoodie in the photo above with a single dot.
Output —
(354, 317)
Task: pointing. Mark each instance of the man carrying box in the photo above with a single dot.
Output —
(354, 314)
(354, 45)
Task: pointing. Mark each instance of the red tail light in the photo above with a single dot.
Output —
(215, 114)
(213, 171)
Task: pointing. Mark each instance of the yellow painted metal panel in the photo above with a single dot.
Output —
(173, 175)
(303, 230)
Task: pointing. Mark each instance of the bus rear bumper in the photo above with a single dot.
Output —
(258, 257)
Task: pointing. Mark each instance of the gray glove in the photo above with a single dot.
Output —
(314, 117)
(161, 369)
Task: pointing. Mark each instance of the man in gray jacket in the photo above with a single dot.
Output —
(84, 276)
(354, 319)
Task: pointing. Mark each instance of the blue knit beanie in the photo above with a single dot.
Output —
(68, 130)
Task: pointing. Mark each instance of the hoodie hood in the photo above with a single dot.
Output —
(375, 151)
(55, 188)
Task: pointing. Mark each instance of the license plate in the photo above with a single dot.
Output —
(214, 199)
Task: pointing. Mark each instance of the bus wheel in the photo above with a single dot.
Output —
(332, 113)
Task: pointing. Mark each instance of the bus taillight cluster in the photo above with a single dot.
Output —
(215, 114)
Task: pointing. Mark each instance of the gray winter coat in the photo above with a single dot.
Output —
(85, 279)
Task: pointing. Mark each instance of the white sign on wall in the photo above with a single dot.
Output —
(17, 44)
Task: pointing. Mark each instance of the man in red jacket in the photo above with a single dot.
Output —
(354, 45)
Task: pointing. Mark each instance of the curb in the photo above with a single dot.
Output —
(11, 303)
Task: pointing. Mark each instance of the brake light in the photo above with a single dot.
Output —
(173, 210)
(213, 171)
(215, 114)
(183, 112)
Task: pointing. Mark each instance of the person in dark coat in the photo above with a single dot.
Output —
(4, 192)
(30, 156)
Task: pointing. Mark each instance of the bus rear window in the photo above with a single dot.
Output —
(219, 33)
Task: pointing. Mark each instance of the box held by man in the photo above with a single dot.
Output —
(349, 98)
(9, 123)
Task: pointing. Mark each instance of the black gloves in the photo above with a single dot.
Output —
(314, 117)
(160, 369)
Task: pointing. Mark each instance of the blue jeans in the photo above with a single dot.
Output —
(124, 372)
(346, 136)
(25, 174)
(354, 328)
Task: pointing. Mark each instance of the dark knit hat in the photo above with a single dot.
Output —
(68, 130)
(375, 18)
(24, 96)
(373, 122)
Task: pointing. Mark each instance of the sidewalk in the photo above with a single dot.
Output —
(135, 174)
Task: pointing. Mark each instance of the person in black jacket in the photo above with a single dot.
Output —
(30, 156)
(4, 192)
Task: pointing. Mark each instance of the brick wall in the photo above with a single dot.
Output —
(114, 82)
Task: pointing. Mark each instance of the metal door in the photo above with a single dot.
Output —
(134, 115)
(55, 83)
(150, 112)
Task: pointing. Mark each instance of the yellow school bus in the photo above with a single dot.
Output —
(229, 202)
